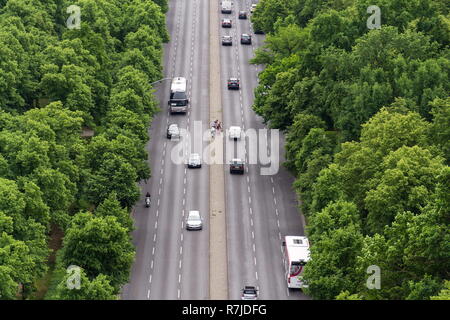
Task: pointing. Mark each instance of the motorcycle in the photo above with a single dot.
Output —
(147, 202)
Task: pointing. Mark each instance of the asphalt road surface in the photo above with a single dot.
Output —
(172, 263)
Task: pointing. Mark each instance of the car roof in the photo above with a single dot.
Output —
(233, 79)
(173, 125)
(195, 155)
(194, 213)
(237, 160)
(226, 19)
(226, 36)
(235, 128)
(245, 35)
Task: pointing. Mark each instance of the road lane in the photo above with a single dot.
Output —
(195, 261)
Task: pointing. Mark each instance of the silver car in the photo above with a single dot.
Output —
(194, 161)
(249, 293)
(173, 132)
(194, 221)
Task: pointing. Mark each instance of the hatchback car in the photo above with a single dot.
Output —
(249, 293)
(233, 83)
(242, 15)
(194, 221)
(194, 161)
(226, 23)
(234, 132)
(173, 132)
(237, 166)
(227, 41)
(246, 38)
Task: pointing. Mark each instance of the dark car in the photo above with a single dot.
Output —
(226, 23)
(233, 83)
(237, 166)
(246, 38)
(242, 15)
(259, 32)
(227, 41)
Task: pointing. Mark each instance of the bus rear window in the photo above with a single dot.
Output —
(178, 95)
(296, 267)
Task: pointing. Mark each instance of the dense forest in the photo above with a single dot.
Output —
(366, 115)
(56, 84)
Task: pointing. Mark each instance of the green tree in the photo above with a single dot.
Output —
(444, 294)
(111, 207)
(97, 289)
(100, 245)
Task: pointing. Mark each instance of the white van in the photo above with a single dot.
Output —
(226, 6)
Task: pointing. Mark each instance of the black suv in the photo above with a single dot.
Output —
(233, 83)
(237, 166)
(227, 41)
(246, 39)
(242, 15)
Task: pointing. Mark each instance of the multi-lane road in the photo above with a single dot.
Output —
(172, 263)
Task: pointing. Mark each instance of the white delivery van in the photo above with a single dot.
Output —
(226, 6)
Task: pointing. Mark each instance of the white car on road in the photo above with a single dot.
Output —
(194, 220)
(235, 132)
(173, 132)
(194, 161)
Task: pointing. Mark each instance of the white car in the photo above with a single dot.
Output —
(173, 132)
(235, 132)
(194, 161)
(194, 220)
(253, 7)
(249, 293)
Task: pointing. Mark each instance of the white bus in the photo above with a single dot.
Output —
(178, 100)
(296, 255)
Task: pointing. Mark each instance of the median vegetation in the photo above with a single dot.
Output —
(56, 84)
(367, 119)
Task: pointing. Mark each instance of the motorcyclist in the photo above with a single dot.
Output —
(147, 199)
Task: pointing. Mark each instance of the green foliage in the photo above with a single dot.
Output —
(424, 289)
(111, 207)
(100, 245)
(444, 294)
(97, 289)
(55, 83)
